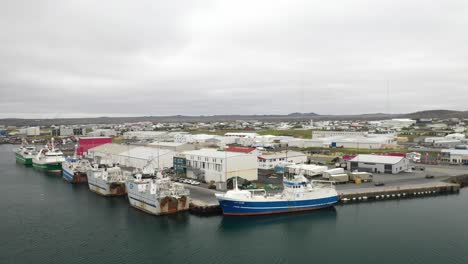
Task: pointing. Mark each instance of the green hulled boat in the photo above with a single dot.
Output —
(25, 154)
(49, 159)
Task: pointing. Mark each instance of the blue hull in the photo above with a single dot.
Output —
(67, 176)
(259, 208)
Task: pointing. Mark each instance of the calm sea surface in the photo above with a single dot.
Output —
(43, 219)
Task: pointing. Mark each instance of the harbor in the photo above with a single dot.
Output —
(58, 218)
(149, 190)
(205, 204)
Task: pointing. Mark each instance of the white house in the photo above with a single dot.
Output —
(271, 160)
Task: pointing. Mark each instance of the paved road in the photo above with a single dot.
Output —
(439, 172)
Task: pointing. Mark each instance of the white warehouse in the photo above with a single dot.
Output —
(218, 166)
(133, 156)
(378, 164)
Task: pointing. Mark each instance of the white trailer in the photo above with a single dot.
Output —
(306, 169)
(328, 173)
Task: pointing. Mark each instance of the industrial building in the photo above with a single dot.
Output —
(328, 134)
(271, 160)
(218, 166)
(147, 135)
(102, 133)
(177, 147)
(398, 123)
(87, 143)
(133, 156)
(455, 156)
(241, 135)
(378, 164)
(30, 131)
(64, 131)
(369, 141)
(246, 150)
(180, 164)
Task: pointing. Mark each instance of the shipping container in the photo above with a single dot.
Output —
(339, 178)
(364, 176)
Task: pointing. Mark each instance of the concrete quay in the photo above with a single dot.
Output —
(203, 201)
(396, 192)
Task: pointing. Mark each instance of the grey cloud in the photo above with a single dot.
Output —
(94, 58)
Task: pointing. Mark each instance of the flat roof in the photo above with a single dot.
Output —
(456, 151)
(93, 137)
(169, 144)
(377, 159)
(214, 153)
(282, 155)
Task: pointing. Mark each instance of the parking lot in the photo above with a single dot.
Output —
(440, 173)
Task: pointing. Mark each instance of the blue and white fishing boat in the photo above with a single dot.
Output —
(74, 169)
(299, 194)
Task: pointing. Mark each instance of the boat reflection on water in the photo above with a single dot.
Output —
(312, 219)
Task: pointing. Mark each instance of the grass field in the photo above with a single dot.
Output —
(118, 140)
(352, 151)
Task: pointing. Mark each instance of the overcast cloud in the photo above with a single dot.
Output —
(125, 58)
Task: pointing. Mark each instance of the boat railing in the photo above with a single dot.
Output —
(254, 191)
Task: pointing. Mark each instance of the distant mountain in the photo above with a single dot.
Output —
(297, 114)
(443, 114)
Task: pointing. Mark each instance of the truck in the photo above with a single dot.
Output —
(364, 176)
(326, 174)
(339, 178)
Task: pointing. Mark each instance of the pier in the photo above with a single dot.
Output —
(204, 208)
(401, 191)
(203, 201)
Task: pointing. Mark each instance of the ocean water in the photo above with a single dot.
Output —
(43, 219)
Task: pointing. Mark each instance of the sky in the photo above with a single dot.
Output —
(86, 58)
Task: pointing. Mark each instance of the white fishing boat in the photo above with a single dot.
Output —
(49, 159)
(157, 195)
(107, 180)
(25, 153)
